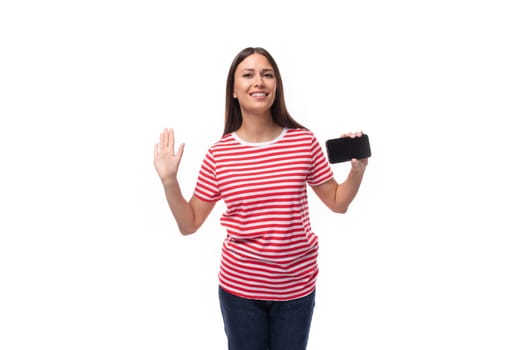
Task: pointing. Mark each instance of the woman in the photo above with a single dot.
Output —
(260, 168)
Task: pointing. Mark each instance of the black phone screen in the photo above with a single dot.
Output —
(346, 148)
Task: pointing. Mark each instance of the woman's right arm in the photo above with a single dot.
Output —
(191, 214)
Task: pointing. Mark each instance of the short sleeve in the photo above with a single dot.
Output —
(320, 170)
(207, 187)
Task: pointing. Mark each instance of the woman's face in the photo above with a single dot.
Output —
(255, 84)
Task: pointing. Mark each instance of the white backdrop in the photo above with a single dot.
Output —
(430, 254)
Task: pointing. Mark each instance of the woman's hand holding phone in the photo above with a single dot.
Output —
(354, 147)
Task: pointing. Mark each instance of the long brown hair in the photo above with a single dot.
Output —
(233, 115)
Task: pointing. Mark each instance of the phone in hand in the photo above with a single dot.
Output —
(347, 148)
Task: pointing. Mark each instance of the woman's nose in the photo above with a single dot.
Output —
(259, 80)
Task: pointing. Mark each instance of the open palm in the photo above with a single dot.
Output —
(165, 159)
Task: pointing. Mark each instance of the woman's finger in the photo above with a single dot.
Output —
(161, 139)
(171, 139)
(180, 151)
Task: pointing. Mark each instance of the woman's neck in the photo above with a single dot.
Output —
(258, 129)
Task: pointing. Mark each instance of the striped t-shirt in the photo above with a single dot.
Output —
(270, 252)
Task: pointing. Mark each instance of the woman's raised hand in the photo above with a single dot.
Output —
(357, 164)
(165, 159)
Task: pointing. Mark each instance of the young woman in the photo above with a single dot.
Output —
(260, 168)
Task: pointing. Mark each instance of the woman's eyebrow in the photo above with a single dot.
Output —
(253, 69)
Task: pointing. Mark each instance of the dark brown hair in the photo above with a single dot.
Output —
(233, 116)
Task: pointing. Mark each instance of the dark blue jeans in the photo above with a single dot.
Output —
(261, 325)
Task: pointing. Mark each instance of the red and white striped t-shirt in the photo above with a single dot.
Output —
(270, 252)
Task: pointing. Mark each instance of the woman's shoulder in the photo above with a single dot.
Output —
(300, 133)
(226, 140)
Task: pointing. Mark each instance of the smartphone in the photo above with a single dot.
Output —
(346, 148)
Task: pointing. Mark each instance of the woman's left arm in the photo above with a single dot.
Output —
(338, 196)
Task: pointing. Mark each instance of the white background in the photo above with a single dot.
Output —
(431, 252)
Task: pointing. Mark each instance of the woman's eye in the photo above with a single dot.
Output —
(268, 75)
(247, 75)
